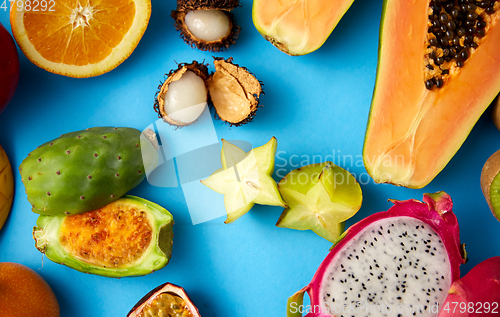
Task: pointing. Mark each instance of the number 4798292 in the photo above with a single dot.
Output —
(29, 5)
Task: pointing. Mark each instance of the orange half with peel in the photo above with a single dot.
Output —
(79, 38)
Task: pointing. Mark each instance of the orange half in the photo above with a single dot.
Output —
(79, 38)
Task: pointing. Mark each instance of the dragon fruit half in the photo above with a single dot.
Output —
(400, 262)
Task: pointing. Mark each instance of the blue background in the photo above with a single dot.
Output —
(315, 105)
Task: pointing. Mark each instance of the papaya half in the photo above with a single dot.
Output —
(438, 70)
(298, 27)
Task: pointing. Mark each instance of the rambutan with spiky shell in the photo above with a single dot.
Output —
(182, 97)
(232, 91)
(191, 5)
(207, 25)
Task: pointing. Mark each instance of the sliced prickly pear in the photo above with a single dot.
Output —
(245, 179)
(129, 237)
(320, 197)
(83, 170)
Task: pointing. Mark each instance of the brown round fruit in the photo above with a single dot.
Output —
(165, 300)
(25, 293)
(6, 187)
(495, 114)
(490, 181)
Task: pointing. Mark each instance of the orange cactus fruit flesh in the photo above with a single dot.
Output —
(79, 38)
(129, 237)
(6, 187)
(430, 90)
(25, 293)
(298, 27)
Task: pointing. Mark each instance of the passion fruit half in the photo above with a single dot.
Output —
(207, 25)
(129, 237)
(165, 300)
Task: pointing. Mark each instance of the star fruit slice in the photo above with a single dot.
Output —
(320, 197)
(245, 179)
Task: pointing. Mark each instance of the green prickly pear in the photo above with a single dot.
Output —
(83, 170)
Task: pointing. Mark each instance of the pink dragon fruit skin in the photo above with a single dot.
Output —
(435, 211)
(476, 293)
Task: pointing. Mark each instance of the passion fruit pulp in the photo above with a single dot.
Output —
(128, 237)
(166, 300)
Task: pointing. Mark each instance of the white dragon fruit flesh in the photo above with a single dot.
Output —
(400, 263)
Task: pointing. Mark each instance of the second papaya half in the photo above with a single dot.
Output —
(437, 73)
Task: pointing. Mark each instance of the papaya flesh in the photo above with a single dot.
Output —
(413, 131)
(298, 27)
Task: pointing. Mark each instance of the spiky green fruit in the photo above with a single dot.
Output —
(83, 170)
(245, 179)
(320, 197)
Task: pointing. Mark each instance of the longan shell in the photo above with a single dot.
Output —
(189, 5)
(199, 69)
(251, 86)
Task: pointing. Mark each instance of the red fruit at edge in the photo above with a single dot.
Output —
(477, 294)
(9, 67)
